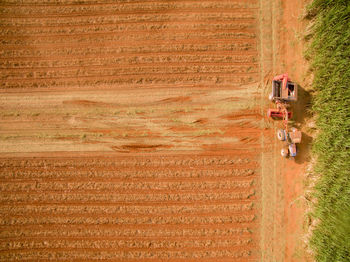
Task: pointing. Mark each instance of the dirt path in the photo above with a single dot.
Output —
(290, 224)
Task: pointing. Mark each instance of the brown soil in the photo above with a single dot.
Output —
(136, 131)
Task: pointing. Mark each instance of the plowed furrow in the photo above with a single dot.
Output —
(6, 187)
(155, 82)
(130, 220)
(239, 12)
(124, 39)
(147, 34)
(123, 244)
(145, 46)
(128, 19)
(90, 231)
(125, 60)
(28, 74)
(121, 255)
(235, 239)
(131, 7)
(245, 65)
(132, 162)
(248, 177)
(236, 48)
(137, 204)
(107, 4)
(100, 209)
(32, 30)
(231, 167)
(162, 67)
(50, 75)
(75, 246)
(161, 175)
(114, 55)
(130, 231)
(129, 197)
(243, 187)
(48, 3)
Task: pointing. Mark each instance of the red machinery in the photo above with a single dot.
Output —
(283, 92)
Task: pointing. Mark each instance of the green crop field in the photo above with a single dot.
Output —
(329, 52)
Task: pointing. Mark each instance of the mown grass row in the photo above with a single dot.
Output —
(329, 52)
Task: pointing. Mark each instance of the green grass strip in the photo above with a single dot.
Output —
(330, 55)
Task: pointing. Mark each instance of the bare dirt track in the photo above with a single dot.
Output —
(135, 130)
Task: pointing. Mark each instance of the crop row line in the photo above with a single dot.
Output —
(88, 183)
(104, 173)
(184, 190)
(127, 7)
(139, 66)
(147, 180)
(12, 188)
(120, 72)
(155, 38)
(115, 84)
(122, 255)
(136, 32)
(151, 197)
(237, 11)
(131, 191)
(134, 82)
(135, 203)
(136, 233)
(246, 44)
(48, 3)
(130, 216)
(144, 25)
(13, 13)
(134, 162)
(126, 239)
(180, 47)
(21, 209)
(156, 220)
(142, 59)
(126, 245)
(4, 67)
(125, 168)
(128, 75)
(164, 19)
(129, 57)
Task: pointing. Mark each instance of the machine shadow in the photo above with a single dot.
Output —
(302, 113)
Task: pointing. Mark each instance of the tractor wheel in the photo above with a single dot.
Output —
(280, 135)
(271, 97)
(284, 152)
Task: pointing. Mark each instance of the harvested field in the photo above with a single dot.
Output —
(127, 44)
(135, 130)
(126, 207)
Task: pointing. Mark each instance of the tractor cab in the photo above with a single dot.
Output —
(283, 89)
(292, 138)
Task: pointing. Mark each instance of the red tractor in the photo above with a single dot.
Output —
(283, 92)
